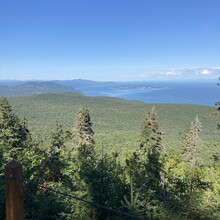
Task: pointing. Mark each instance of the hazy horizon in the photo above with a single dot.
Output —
(216, 79)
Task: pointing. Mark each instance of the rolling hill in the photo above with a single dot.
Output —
(33, 87)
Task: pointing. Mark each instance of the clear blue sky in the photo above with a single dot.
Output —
(109, 39)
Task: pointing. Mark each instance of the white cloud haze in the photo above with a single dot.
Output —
(181, 73)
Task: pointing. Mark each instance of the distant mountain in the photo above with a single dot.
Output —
(78, 82)
(33, 87)
(10, 82)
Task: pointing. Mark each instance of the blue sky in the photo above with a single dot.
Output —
(109, 39)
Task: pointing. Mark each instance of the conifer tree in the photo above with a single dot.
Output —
(190, 149)
(84, 142)
(144, 170)
(14, 132)
(151, 147)
(190, 152)
(82, 128)
(54, 163)
(15, 143)
(82, 162)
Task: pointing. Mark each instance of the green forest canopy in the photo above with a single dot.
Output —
(160, 172)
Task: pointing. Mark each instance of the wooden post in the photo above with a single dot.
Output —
(14, 191)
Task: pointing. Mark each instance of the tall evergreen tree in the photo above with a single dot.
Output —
(54, 162)
(191, 145)
(82, 163)
(151, 147)
(144, 170)
(190, 152)
(14, 132)
(82, 128)
(15, 143)
(83, 140)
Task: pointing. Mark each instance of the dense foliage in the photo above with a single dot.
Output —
(116, 122)
(154, 181)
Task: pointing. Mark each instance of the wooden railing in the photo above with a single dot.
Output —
(14, 191)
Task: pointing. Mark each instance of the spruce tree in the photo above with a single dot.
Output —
(16, 143)
(151, 147)
(54, 162)
(14, 133)
(82, 163)
(82, 128)
(84, 142)
(192, 141)
(150, 137)
(144, 170)
(190, 152)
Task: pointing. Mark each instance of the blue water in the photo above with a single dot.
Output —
(201, 93)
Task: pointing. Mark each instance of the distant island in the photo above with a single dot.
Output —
(133, 87)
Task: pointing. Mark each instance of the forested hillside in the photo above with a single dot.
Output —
(116, 122)
(149, 161)
(19, 88)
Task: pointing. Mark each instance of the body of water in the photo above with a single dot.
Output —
(201, 93)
